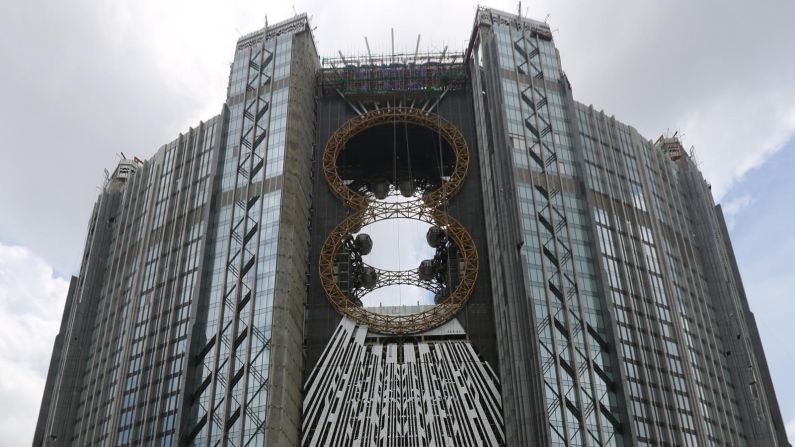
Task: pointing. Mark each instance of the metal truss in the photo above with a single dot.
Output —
(410, 277)
(426, 209)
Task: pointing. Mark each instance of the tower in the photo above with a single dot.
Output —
(579, 288)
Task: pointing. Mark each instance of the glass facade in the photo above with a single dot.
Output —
(666, 321)
(233, 333)
(236, 323)
(556, 250)
(175, 303)
(135, 363)
(621, 252)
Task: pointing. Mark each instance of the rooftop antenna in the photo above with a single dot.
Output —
(417, 48)
(123, 157)
(694, 158)
(520, 22)
(369, 55)
(393, 44)
(294, 11)
(334, 67)
(342, 57)
(546, 19)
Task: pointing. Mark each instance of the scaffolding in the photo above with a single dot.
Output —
(372, 77)
(671, 147)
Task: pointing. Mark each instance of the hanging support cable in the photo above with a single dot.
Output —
(369, 55)
(417, 48)
(408, 157)
(395, 183)
(446, 198)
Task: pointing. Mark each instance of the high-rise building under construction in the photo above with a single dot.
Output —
(580, 287)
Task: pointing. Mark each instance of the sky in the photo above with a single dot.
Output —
(82, 81)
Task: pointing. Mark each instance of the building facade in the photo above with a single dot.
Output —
(582, 288)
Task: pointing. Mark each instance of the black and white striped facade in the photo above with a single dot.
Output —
(427, 390)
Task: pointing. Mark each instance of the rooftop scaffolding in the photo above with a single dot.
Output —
(671, 147)
(422, 75)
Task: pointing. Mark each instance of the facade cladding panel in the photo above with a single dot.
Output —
(608, 308)
(435, 391)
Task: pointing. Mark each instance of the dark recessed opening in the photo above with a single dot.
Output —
(394, 158)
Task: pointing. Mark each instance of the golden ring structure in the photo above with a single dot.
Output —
(367, 211)
(336, 144)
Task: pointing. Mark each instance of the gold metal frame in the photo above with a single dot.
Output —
(426, 210)
(336, 144)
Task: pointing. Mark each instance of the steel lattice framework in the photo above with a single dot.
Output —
(426, 209)
(393, 277)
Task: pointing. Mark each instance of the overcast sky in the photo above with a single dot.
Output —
(81, 81)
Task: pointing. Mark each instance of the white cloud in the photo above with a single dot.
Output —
(734, 206)
(736, 134)
(716, 74)
(31, 303)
